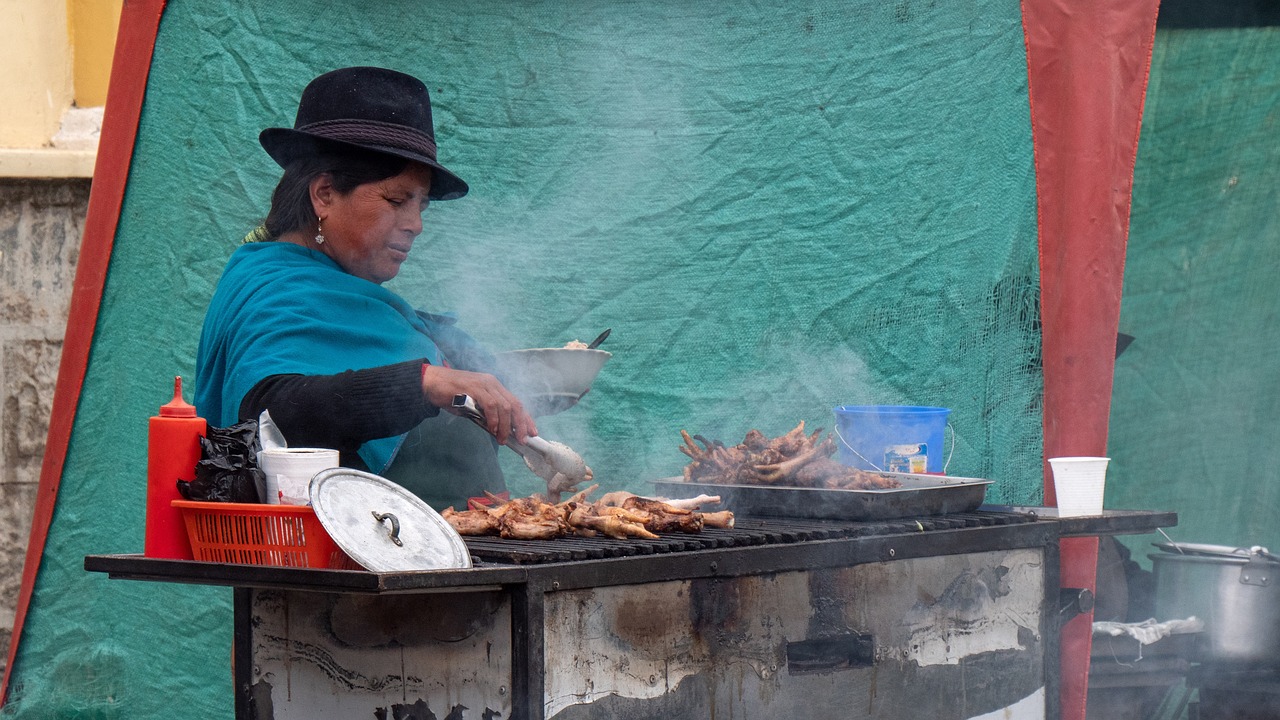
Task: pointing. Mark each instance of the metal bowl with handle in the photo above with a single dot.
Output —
(550, 380)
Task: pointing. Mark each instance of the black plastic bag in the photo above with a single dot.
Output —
(228, 469)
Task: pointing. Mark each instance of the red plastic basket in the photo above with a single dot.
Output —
(253, 534)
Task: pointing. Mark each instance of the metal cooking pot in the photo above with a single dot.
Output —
(1235, 591)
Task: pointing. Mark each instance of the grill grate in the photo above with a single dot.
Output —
(748, 531)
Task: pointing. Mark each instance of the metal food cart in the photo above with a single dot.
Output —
(949, 616)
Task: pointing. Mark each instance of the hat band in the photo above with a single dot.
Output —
(373, 132)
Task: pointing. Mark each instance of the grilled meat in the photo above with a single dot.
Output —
(832, 475)
(722, 519)
(472, 522)
(624, 516)
(793, 459)
(663, 518)
(618, 497)
(613, 525)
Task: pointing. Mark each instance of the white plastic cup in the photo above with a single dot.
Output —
(1079, 483)
(289, 472)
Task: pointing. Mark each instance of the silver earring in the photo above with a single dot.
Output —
(319, 231)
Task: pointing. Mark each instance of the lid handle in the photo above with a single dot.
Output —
(395, 526)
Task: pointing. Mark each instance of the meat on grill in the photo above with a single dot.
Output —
(794, 459)
(473, 522)
(623, 516)
(530, 519)
(618, 497)
(611, 524)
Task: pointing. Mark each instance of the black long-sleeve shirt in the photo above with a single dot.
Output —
(345, 410)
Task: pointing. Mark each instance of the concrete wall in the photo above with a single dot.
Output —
(41, 222)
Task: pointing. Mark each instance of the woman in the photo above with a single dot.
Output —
(300, 324)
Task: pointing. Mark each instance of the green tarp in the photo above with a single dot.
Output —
(1197, 394)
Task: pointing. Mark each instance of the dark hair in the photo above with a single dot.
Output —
(291, 207)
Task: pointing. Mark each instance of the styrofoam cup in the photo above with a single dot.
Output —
(289, 472)
(1079, 483)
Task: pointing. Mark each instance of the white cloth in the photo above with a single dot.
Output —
(1149, 630)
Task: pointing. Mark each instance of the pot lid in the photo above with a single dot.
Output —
(382, 526)
(1206, 550)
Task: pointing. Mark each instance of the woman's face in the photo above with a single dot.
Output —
(370, 230)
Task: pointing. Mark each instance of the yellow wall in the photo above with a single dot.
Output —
(52, 54)
(35, 84)
(92, 29)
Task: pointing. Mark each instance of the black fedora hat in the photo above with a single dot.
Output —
(366, 107)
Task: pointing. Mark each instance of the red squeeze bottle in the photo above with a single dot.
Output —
(173, 449)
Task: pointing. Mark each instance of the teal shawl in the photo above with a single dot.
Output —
(280, 308)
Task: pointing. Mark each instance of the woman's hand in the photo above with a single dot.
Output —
(504, 416)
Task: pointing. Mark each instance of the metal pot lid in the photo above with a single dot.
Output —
(1219, 551)
(382, 526)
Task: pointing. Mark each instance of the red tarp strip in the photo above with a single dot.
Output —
(135, 42)
(1087, 62)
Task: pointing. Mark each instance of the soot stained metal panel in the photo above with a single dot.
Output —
(949, 637)
(318, 655)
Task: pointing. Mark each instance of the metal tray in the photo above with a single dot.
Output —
(920, 495)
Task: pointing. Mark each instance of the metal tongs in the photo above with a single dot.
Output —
(556, 463)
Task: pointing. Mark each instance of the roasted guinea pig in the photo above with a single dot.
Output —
(618, 515)
(794, 459)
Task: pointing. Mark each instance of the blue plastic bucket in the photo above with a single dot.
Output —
(891, 438)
